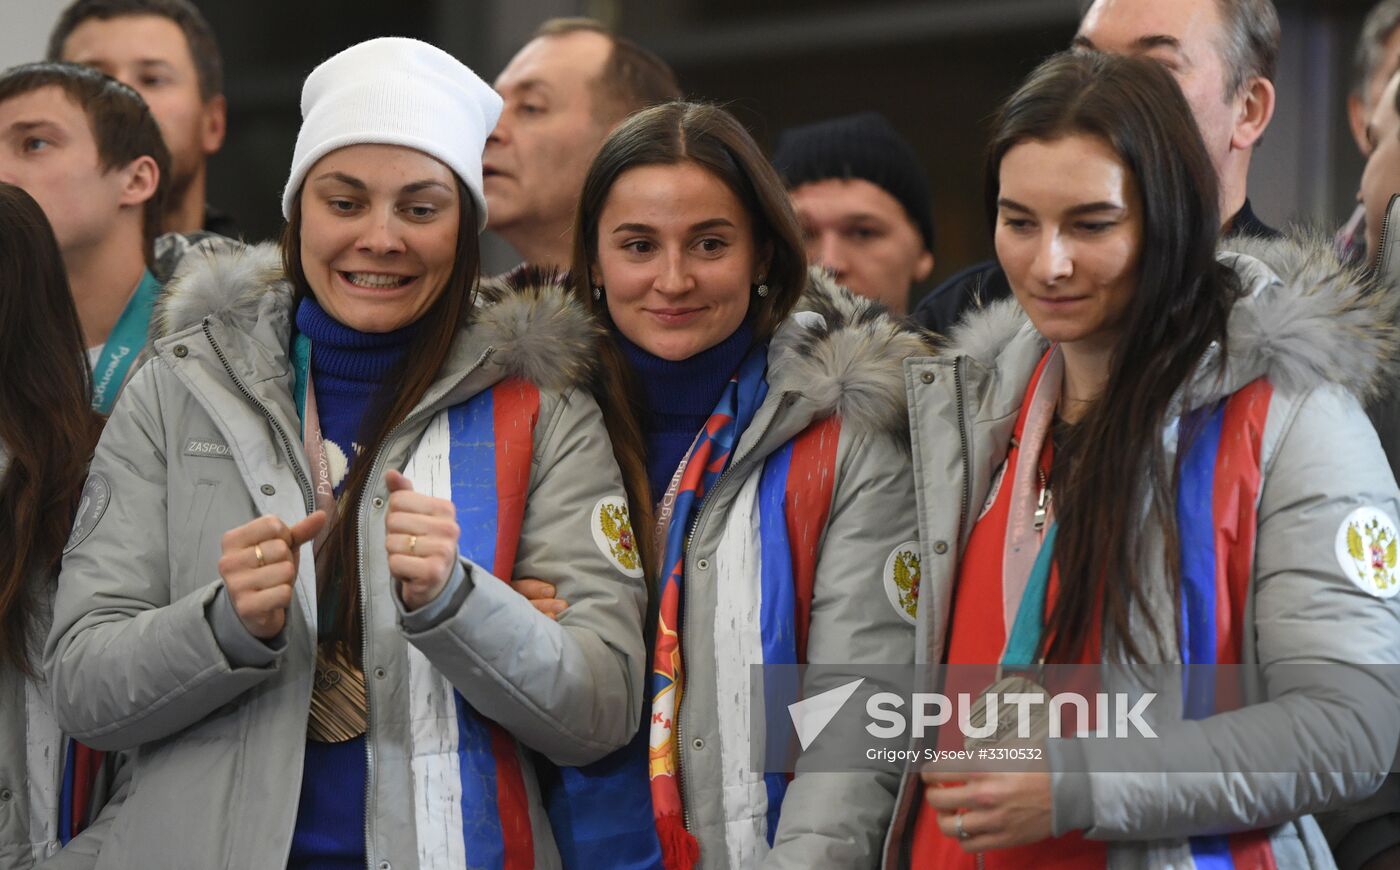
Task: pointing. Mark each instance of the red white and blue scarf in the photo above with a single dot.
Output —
(470, 804)
(706, 461)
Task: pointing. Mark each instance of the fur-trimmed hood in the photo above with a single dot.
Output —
(846, 353)
(537, 332)
(1304, 320)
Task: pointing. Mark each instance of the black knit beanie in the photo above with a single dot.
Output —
(862, 146)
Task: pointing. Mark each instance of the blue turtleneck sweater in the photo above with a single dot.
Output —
(680, 396)
(347, 367)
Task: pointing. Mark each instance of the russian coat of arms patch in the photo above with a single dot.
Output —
(1367, 551)
(612, 532)
(902, 575)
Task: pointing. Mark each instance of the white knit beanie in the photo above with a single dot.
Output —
(396, 91)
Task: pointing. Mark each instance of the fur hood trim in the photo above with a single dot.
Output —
(538, 332)
(1304, 320)
(220, 276)
(848, 358)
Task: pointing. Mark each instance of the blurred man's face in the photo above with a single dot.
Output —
(149, 54)
(864, 236)
(48, 149)
(1186, 37)
(548, 134)
(1381, 179)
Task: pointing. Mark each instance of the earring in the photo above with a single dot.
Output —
(597, 292)
(762, 291)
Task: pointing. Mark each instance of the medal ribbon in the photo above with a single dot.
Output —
(312, 441)
(124, 344)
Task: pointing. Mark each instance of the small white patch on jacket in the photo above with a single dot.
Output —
(612, 534)
(901, 576)
(1368, 549)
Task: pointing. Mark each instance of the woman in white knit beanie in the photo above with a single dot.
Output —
(290, 598)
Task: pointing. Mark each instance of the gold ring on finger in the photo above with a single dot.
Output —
(413, 545)
(258, 554)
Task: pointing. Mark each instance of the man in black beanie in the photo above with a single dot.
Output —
(863, 201)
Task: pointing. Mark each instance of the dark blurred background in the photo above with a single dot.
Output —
(936, 68)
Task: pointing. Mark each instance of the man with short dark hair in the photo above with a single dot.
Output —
(166, 52)
(1224, 55)
(564, 91)
(87, 149)
(863, 202)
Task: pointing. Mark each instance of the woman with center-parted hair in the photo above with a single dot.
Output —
(1153, 457)
(763, 411)
(287, 597)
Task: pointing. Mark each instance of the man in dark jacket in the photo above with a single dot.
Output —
(1224, 54)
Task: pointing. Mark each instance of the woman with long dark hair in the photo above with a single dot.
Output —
(290, 593)
(47, 432)
(774, 447)
(1153, 456)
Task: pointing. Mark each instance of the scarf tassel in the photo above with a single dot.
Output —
(679, 850)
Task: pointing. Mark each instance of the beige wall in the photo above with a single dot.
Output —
(25, 33)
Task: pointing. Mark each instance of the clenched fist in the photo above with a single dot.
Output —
(259, 568)
(421, 539)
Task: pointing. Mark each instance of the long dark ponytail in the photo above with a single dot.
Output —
(47, 425)
(1117, 459)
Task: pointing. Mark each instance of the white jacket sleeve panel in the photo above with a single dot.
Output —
(571, 689)
(127, 664)
(1327, 717)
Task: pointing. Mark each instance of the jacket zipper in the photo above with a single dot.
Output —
(374, 471)
(685, 594)
(1381, 252)
(967, 489)
(962, 437)
(307, 493)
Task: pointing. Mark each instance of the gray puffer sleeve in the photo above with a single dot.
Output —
(128, 665)
(571, 689)
(838, 819)
(1326, 714)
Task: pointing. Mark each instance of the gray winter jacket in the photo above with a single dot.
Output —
(146, 652)
(840, 357)
(1309, 327)
(32, 751)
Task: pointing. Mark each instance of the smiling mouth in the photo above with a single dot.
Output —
(377, 280)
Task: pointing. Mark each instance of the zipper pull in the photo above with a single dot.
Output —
(1040, 508)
